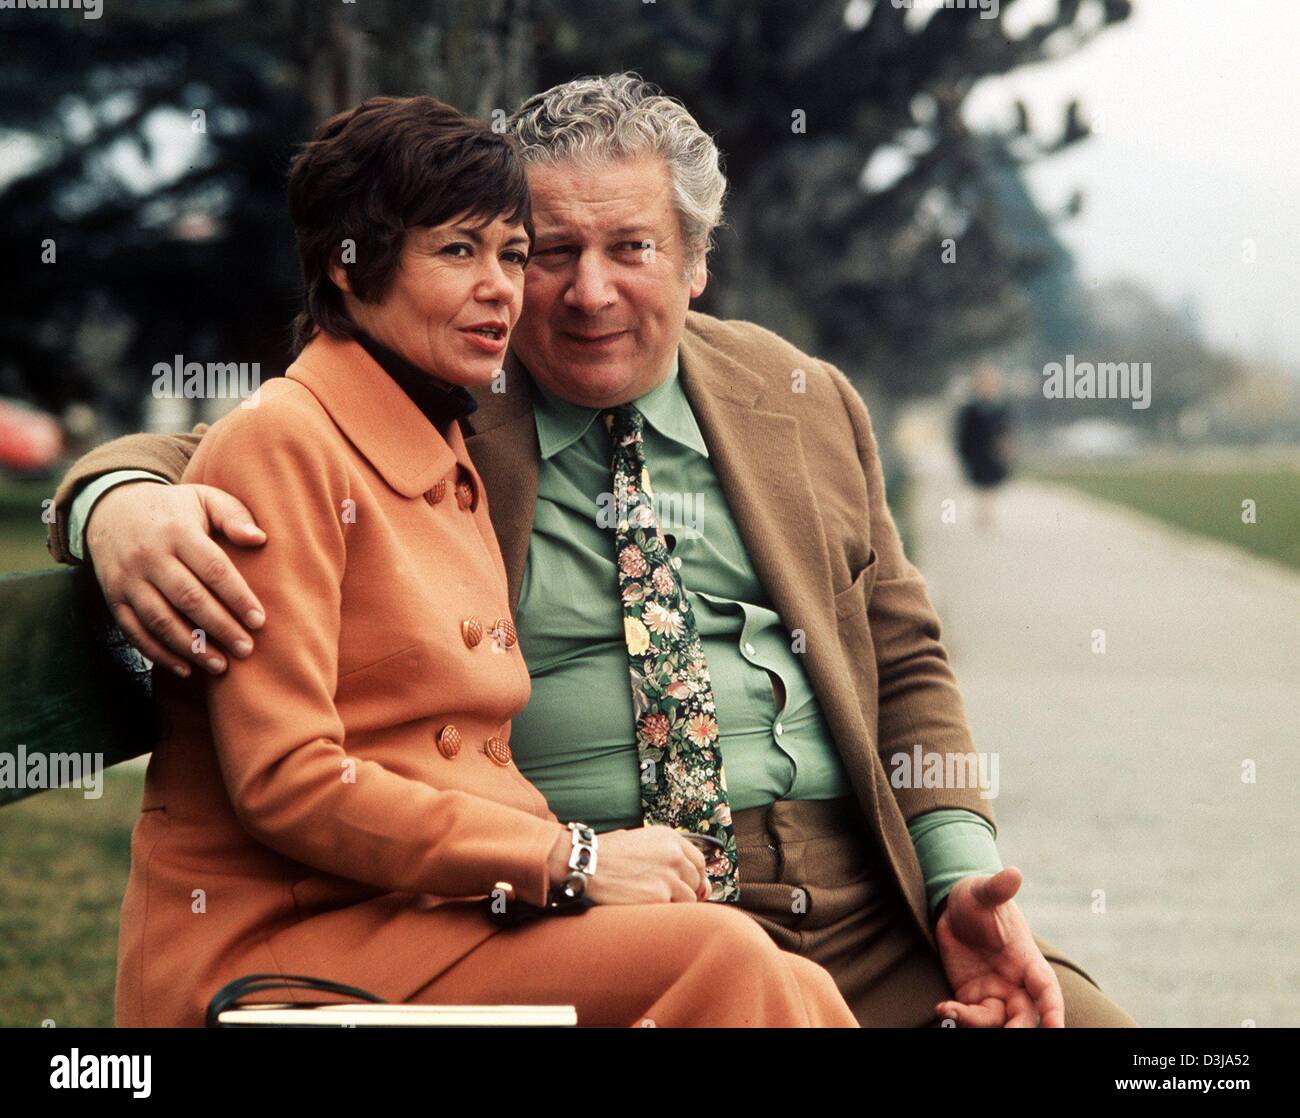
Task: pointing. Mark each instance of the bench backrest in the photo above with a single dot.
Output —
(69, 682)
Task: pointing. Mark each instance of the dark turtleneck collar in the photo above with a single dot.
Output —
(442, 404)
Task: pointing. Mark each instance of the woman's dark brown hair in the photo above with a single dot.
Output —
(373, 172)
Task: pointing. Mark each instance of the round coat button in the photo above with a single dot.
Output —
(472, 630)
(437, 493)
(497, 750)
(449, 741)
(465, 494)
(505, 631)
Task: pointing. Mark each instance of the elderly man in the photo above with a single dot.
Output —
(805, 655)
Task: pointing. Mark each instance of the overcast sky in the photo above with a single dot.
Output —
(1198, 103)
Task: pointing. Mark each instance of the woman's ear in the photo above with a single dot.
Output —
(339, 275)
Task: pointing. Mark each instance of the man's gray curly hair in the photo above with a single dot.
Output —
(591, 120)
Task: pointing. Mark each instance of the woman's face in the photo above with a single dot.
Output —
(457, 295)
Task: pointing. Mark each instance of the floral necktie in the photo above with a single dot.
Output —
(682, 782)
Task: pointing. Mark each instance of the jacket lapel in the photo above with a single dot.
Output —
(762, 470)
(375, 413)
(759, 459)
(501, 437)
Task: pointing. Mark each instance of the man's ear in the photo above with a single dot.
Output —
(339, 275)
(700, 276)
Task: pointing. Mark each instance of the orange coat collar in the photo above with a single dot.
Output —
(379, 419)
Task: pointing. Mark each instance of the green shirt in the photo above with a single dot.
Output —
(575, 739)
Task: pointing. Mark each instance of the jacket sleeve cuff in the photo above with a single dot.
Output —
(952, 844)
(84, 504)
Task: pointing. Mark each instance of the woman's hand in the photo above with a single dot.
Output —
(647, 865)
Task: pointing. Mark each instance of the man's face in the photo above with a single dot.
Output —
(605, 295)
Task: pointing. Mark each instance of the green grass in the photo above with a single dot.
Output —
(1201, 496)
(22, 532)
(64, 862)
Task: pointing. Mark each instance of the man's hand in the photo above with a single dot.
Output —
(999, 977)
(163, 576)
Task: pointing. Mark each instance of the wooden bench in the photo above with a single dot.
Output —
(69, 682)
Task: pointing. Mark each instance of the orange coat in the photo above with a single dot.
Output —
(309, 811)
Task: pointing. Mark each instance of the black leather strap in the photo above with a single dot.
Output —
(228, 995)
(517, 912)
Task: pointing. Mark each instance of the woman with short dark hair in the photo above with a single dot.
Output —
(370, 175)
(343, 803)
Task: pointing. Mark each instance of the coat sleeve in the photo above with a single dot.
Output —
(919, 702)
(165, 455)
(279, 738)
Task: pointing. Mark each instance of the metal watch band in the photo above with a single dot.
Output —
(582, 856)
(570, 892)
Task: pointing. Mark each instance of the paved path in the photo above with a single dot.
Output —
(1122, 771)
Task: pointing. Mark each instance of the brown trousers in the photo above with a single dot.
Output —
(812, 880)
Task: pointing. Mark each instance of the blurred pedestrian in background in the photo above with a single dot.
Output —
(983, 435)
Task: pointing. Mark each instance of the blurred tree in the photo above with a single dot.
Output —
(150, 147)
(142, 165)
(1126, 322)
(146, 153)
(850, 163)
